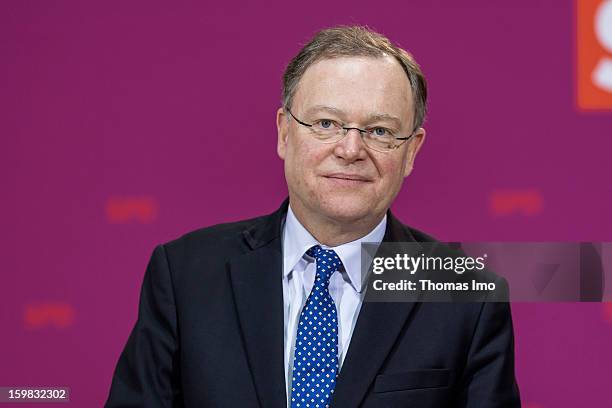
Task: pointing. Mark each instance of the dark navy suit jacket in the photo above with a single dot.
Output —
(210, 334)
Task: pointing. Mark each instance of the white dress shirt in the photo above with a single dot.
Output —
(345, 286)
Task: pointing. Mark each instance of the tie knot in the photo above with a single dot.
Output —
(327, 262)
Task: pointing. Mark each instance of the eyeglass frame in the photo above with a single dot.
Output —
(361, 132)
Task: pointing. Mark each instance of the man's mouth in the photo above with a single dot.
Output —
(348, 177)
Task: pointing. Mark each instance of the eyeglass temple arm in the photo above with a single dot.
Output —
(297, 120)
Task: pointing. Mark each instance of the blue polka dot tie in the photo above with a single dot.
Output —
(315, 359)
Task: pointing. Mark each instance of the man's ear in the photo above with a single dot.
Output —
(414, 145)
(282, 127)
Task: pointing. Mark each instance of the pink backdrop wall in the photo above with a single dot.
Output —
(126, 124)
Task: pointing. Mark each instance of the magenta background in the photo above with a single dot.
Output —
(120, 99)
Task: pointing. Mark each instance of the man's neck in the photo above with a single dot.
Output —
(332, 232)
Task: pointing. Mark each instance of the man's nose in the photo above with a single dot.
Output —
(351, 146)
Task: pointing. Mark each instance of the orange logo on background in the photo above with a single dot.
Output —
(38, 315)
(608, 311)
(594, 36)
(506, 202)
(140, 209)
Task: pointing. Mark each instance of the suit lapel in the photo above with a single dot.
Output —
(376, 330)
(256, 279)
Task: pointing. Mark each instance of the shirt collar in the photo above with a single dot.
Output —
(297, 240)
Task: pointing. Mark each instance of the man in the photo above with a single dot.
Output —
(269, 312)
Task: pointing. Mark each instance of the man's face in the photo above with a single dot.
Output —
(346, 181)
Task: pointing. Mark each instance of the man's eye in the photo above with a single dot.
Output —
(325, 124)
(381, 132)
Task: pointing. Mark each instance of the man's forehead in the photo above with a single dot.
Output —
(372, 116)
(356, 66)
(374, 87)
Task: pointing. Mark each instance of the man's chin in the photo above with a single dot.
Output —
(347, 212)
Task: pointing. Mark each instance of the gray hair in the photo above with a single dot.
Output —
(355, 41)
